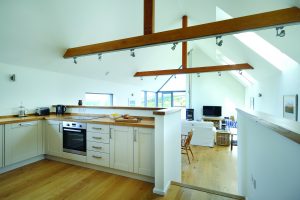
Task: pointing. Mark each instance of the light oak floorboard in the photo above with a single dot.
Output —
(212, 168)
(54, 180)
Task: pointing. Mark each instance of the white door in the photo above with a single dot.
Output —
(21, 142)
(1, 146)
(54, 137)
(121, 148)
(144, 151)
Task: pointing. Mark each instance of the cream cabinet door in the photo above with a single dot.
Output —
(121, 148)
(144, 151)
(54, 137)
(21, 142)
(1, 146)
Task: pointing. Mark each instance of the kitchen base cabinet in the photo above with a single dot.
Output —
(21, 142)
(121, 148)
(98, 158)
(1, 146)
(54, 138)
(144, 151)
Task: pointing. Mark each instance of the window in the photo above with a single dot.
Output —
(164, 99)
(98, 99)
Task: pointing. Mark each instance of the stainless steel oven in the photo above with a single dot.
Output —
(74, 138)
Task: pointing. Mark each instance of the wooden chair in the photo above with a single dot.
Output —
(185, 145)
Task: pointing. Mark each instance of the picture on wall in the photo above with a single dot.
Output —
(290, 107)
(252, 103)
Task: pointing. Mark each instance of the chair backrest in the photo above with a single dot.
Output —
(188, 139)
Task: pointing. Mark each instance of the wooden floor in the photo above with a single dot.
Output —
(54, 180)
(213, 168)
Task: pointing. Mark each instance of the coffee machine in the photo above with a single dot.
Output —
(60, 109)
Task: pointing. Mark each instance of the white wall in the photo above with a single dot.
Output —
(213, 90)
(37, 88)
(271, 159)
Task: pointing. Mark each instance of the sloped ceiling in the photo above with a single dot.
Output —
(36, 34)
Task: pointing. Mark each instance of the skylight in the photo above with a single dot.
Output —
(263, 48)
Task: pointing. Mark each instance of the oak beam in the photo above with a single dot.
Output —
(149, 8)
(218, 68)
(184, 44)
(276, 18)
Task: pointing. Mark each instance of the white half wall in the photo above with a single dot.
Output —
(268, 163)
(36, 88)
(167, 151)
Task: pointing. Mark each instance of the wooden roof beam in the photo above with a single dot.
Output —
(218, 68)
(236, 25)
(149, 14)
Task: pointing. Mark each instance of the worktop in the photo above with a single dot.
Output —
(145, 122)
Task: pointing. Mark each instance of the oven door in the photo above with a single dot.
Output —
(74, 141)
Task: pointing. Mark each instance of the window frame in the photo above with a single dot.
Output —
(162, 92)
(102, 93)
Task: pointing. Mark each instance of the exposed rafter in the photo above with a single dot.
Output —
(149, 10)
(218, 68)
(276, 18)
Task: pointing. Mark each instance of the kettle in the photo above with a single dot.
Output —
(60, 109)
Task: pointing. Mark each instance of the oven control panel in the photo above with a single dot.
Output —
(76, 125)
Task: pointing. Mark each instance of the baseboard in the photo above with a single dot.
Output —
(104, 169)
(21, 164)
(162, 191)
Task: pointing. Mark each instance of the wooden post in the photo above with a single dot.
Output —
(149, 16)
(184, 44)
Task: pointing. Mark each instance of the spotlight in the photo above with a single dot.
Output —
(241, 72)
(174, 46)
(219, 41)
(106, 73)
(75, 61)
(174, 76)
(142, 78)
(132, 54)
(280, 32)
(198, 75)
(219, 73)
(155, 77)
(99, 56)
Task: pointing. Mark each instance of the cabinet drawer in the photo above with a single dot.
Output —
(98, 128)
(97, 146)
(98, 137)
(98, 158)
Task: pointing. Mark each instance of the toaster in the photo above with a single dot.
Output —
(42, 111)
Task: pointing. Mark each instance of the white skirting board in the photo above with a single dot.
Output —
(104, 169)
(21, 164)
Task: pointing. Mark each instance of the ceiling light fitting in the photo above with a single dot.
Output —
(280, 32)
(174, 46)
(219, 41)
(240, 72)
(132, 54)
(142, 78)
(75, 60)
(99, 56)
(198, 75)
(155, 77)
(219, 73)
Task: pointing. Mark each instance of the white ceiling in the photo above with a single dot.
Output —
(36, 34)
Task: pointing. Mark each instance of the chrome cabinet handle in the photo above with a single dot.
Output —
(110, 130)
(25, 124)
(99, 157)
(95, 147)
(97, 138)
(134, 136)
(96, 128)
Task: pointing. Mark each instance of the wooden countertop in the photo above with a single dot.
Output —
(146, 122)
(285, 127)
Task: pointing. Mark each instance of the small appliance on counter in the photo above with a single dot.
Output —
(189, 114)
(60, 109)
(42, 111)
(22, 111)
